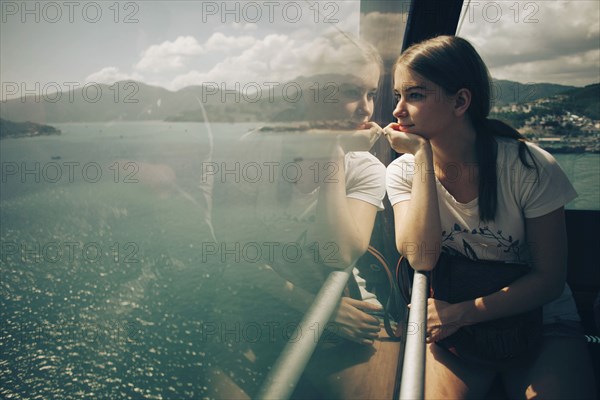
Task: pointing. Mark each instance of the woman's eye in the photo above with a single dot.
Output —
(351, 93)
(372, 95)
(415, 96)
(397, 97)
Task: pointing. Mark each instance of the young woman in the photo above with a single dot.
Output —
(471, 185)
(311, 213)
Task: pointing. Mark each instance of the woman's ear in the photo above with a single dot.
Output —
(462, 102)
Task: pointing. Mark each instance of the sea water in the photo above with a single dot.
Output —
(103, 289)
(102, 285)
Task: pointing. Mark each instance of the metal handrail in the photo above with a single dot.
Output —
(286, 372)
(413, 367)
(284, 376)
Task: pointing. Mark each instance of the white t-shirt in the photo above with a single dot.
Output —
(522, 193)
(282, 215)
(365, 180)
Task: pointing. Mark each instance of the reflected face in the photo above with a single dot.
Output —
(345, 97)
(423, 107)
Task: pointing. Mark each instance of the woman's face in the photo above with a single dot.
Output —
(423, 107)
(347, 98)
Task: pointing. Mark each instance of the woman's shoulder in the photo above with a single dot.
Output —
(364, 159)
(401, 171)
(402, 167)
(404, 159)
(539, 186)
(508, 151)
(362, 156)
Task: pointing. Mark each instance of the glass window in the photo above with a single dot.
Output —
(140, 197)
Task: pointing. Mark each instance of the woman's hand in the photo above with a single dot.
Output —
(360, 140)
(403, 142)
(443, 319)
(352, 322)
(363, 139)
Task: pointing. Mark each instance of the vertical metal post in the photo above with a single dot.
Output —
(413, 368)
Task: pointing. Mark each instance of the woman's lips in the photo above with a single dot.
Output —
(362, 125)
(403, 127)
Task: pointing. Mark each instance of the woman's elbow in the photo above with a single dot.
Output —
(555, 290)
(420, 263)
(552, 286)
(343, 260)
(420, 258)
(346, 256)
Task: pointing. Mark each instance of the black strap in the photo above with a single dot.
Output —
(393, 300)
(403, 274)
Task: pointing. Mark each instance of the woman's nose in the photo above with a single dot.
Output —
(365, 106)
(400, 110)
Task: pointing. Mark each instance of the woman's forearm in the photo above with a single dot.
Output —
(418, 230)
(546, 238)
(336, 226)
(525, 294)
(278, 287)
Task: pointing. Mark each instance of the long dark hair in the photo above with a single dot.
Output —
(453, 63)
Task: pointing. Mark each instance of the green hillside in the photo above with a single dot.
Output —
(10, 129)
(508, 92)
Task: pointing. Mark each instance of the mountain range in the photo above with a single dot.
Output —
(136, 101)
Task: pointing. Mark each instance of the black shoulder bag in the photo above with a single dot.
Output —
(499, 343)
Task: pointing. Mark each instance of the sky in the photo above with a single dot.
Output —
(175, 44)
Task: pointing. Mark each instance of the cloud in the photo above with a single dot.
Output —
(518, 37)
(110, 75)
(174, 55)
(253, 64)
(524, 41)
(169, 56)
(221, 42)
(578, 69)
(277, 58)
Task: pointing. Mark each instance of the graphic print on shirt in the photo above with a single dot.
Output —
(506, 243)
